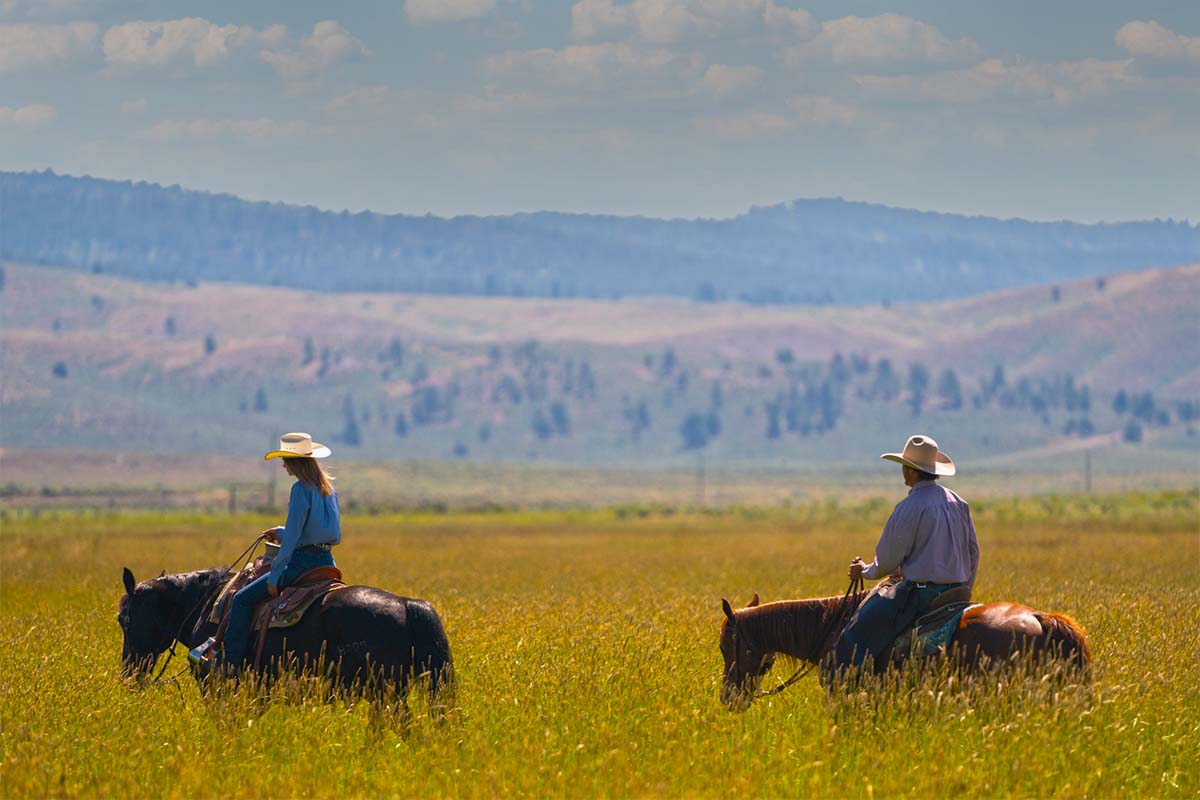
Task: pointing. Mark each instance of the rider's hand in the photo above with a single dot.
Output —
(272, 589)
(272, 534)
(856, 567)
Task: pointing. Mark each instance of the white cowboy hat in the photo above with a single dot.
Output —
(297, 445)
(921, 452)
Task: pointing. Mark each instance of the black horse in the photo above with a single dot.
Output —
(368, 641)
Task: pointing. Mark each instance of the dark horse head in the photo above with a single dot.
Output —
(745, 660)
(153, 614)
(145, 614)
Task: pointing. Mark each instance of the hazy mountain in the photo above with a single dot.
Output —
(807, 251)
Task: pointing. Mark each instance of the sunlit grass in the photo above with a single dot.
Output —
(586, 658)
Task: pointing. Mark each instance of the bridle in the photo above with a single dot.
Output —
(183, 622)
(850, 600)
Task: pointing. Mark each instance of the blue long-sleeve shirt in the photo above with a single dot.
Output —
(930, 537)
(313, 518)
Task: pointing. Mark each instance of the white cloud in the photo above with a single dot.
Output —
(44, 9)
(30, 118)
(802, 112)
(823, 112)
(1151, 40)
(25, 46)
(421, 12)
(666, 22)
(597, 66)
(250, 130)
(370, 98)
(327, 44)
(746, 124)
(993, 81)
(205, 44)
(885, 39)
(594, 18)
(157, 44)
(721, 80)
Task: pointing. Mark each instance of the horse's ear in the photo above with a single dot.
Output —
(753, 601)
(130, 583)
(163, 574)
(727, 608)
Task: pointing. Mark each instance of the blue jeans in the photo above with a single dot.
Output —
(882, 618)
(253, 593)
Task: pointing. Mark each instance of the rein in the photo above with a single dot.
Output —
(856, 587)
(175, 639)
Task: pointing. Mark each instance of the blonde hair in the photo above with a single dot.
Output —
(310, 471)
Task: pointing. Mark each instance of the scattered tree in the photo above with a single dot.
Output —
(395, 352)
(169, 326)
(260, 400)
(1120, 403)
(350, 433)
(949, 390)
(560, 418)
(541, 425)
(694, 431)
(59, 370)
(1132, 432)
(210, 345)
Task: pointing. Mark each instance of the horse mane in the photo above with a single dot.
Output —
(791, 626)
(183, 583)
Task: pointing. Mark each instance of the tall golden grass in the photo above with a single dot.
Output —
(586, 655)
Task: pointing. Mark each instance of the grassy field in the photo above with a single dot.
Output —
(586, 652)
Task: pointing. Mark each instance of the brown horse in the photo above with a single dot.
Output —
(807, 630)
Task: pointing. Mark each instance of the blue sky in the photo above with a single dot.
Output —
(1078, 110)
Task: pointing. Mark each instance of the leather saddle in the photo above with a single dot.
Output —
(282, 611)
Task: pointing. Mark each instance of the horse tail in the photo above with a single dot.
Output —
(431, 651)
(1065, 638)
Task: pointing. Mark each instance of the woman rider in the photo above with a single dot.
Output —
(313, 527)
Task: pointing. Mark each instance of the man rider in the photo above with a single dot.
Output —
(929, 540)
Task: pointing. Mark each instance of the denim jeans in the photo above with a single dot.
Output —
(882, 618)
(253, 593)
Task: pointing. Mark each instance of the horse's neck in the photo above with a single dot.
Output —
(797, 628)
(195, 593)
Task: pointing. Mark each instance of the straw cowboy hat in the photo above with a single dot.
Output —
(921, 452)
(297, 445)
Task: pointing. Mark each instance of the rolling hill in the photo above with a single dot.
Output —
(97, 363)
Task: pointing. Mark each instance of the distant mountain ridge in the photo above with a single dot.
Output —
(826, 251)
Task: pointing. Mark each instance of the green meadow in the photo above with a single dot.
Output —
(585, 645)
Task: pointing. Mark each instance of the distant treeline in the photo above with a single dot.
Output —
(808, 251)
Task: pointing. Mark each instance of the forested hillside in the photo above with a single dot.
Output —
(97, 362)
(809, 252)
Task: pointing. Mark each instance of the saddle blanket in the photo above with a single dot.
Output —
(286, 609)
(931, 634)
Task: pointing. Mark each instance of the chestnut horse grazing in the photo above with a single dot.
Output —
(371, 642)
(807, 630)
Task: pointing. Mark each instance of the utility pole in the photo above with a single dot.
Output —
(1087, 471)
(700, 479)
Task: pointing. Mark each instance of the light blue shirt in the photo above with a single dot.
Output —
(930, 537)
(312, 518)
